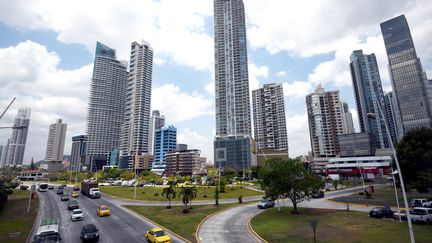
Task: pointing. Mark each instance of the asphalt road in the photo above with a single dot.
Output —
(120, 226)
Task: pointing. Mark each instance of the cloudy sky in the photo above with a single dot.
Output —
(47, 51)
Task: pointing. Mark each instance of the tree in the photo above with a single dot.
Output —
(188, 194)
(169, 193)
(127, 175)
(247, 173)
(336, 184)
(255, 171)
(289, 178)
(212, 172)
(32, 164)
(415, 156)
(99, 175)
(217, 196)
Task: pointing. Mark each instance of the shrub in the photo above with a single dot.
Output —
(156, 194)
(240, 198)
(185, 210)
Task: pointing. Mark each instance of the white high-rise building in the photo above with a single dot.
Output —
(56, 141)
(348, 124)
(269, 118)
(135, 128)
(157, 121)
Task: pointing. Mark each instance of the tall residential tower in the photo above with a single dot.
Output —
(157, 121)
(56, 141)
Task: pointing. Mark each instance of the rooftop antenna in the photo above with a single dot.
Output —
(7, 108)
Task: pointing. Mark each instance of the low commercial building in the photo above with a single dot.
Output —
(369, 166)
(182, 162)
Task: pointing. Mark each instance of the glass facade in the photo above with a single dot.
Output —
(407, 74)
(233, 152)
(357, 144)
(165, 141)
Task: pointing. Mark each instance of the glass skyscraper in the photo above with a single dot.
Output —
(165, 141)
(369, 95)
(409, 81)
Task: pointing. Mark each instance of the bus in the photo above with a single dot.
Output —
(43, 187)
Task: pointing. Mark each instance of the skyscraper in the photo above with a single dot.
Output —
(165, 141)
(56, 141)
(157, 121)
(106, 106)
(13, 152)
(269, 118)
(409, 82)
(347, 120)
(325, 122)
(78, 152)
(233, 119)
(393, 116)
(135, 129)
(369, 95)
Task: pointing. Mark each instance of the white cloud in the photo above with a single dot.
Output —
(195, 140)
(210, 88)
(256, 72)
(297, 89)
(298, 135)
(281, 74)
(180, 106)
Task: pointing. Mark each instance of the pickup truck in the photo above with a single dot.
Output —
(421, 202)
(422, 215)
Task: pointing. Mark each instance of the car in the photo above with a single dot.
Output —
(381, 213)
(318, 194)
(60, 187)
(60, 191)
(400, 214)
(77, 214)
(89, 233)
(24, 187)
(266, 203)
(157, 235)
(63, 185)
(65, 197)
(420, 202)
(421, 215)
(74, 194)
(103, 210)
(50, 187)
(76, 188)
(73, 205)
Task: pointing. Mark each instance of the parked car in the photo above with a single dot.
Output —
(60, 191)
(318, 194)
(401, 214)
(76, 188)
(381, 213)
(74, 194)
(77, 214)
(73, 205)
(267, 203)
(103, 211)
(157, 235)
(421, 215)
(60, 187)
(89, 233)
(420, 202)
(24, 187)
(50, 187)
(63, 185)
(65, 197)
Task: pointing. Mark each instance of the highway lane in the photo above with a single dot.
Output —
(120, 226)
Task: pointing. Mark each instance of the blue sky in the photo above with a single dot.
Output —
(47, 51)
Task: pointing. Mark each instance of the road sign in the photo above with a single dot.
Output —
(314, 225)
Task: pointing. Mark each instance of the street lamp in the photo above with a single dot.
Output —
(376, 116)
(396, 194)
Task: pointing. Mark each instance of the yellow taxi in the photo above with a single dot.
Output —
(103, 210)
(74, 194)
(157, 235)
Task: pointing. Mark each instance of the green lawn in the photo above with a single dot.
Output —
(149, 193)
(14, 217)
(175, 220)
(334, 226)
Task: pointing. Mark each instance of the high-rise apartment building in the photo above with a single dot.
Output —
(409, 81)
(13, 152)
(325, 122)
(269, 118)
(233, 119)
(56, 141)
(106, 106)
(165, 141)
(369, 95)
(157, 121)
(78, 152)
(135, 128)
(347, 120)
(393, 116)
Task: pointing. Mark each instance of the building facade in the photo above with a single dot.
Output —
(391, 111)
(347, 119)
(78, 152)
(325, 122)
(269, 118)
(182, 162)
(56, 141)
(369, 95)
(106, 106)
(357, 144)
(135, 128)
(409, 81)
(13, 152)
(165, 141)
(234, 152)
(232, 98)
(157, 121)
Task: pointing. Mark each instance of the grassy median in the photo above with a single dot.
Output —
(15, 222)
(155, 193)
(177, 221)
(334, 226)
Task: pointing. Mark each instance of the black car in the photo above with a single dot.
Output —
(76, 188)
(381, 213)
(89, 233)
(73, 205)
(65, 197)
(23, 187)
(60, 192)
(50, 187)
(60, 187)
(318, 194)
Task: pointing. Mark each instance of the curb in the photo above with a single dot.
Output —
(37, 219)
(252, 230)
(158, 225)
(354, 204)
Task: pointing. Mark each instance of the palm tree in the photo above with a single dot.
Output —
(169, 193)
(188, 193)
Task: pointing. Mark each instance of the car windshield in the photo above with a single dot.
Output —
(419, 211)
(77, 212)
(103, 208)
(263, 201)
(376, 209)
(46, 237)
(95, 189)
(89, 229)
(159, 233)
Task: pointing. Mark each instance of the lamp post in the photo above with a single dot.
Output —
(396, 194)
(376, 116)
